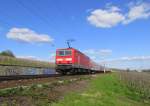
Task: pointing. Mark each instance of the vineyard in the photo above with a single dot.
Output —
(138, 82)
(5, 60)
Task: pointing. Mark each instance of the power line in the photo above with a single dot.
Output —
(5, 23)
(8, 24)
(36, 7)
(33, 12)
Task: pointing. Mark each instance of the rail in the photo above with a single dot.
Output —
(20, 77)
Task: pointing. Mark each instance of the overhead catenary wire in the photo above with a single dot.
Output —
(32, 12)
(37, 8)
(5, 23)
(8, 24)
(35, 13)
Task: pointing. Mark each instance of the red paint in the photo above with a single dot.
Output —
(78, 58)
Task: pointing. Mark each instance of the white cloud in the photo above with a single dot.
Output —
(127, 59)
(50, 58)
(105, 52)
(28, 57)
(114, 8)
(106, 18)
(97, 55)
(35, 58)
(98, 52)
(112, 15)
(133, 62)
(140, 11)
(135, 58)
(28, 36)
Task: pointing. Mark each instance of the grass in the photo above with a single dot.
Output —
(35, 94)
(139, 81)
(5, 60)
(105, 90)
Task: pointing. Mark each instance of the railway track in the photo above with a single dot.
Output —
(27, 80)
(21, 77)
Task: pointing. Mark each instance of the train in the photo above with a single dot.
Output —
(68, 61)
(72, 61)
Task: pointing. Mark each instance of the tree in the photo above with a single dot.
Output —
(7, 53)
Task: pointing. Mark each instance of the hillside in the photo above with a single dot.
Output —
(6, 60)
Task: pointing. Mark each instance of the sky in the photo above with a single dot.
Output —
(111, 32)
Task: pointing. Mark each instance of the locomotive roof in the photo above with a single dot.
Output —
(72, 49)
(65, 49)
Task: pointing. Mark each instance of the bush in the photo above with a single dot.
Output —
(7, 53)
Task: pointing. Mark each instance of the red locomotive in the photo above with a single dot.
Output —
(70, 60)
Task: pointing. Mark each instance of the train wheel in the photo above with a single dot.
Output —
(64, 73)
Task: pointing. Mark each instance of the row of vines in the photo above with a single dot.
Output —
(138, 81)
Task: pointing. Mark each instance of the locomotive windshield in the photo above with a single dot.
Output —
(64, 52)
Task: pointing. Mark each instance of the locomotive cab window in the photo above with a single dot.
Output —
(61, 53)
(67, 52)
(64, 53)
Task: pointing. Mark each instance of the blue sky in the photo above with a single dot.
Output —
(115, 29)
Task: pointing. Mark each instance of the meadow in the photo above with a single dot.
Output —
(105, 90)
(112, 89)
(6, 60)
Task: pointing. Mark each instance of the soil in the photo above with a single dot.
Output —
(74, 87)
(25, 82)
(53, 94)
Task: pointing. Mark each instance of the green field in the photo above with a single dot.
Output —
(102, 90)
(5, 60)
(105, 90)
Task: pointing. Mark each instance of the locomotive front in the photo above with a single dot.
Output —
(64, 60)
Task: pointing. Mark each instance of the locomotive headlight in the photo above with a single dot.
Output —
(59, 59)
(68, 59)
